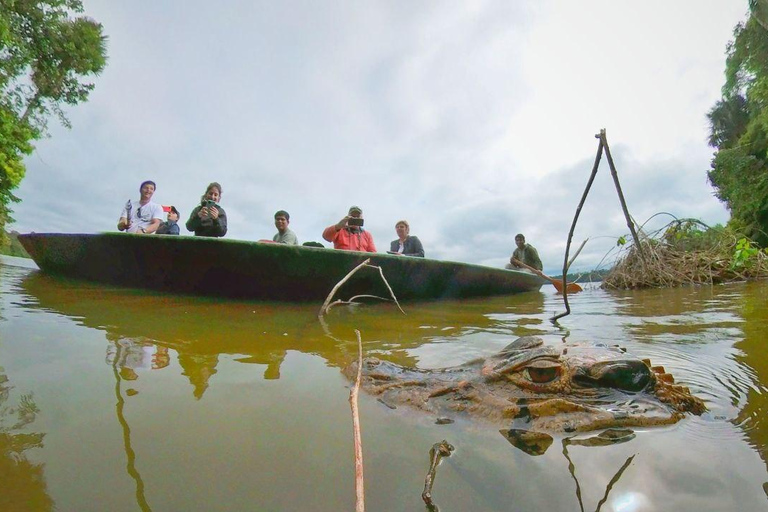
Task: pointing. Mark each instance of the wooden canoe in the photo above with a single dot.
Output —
(254, 270)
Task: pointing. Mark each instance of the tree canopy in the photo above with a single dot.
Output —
(739, 127)
(47, 53)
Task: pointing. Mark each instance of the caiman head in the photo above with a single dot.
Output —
(533, 386)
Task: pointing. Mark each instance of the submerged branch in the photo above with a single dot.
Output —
(353, 393)
(436, 454)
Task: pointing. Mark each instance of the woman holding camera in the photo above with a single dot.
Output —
(209, 219)
(406, 245)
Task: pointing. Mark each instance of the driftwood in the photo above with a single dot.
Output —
(436, 454)
(353, 393)
(328, 304)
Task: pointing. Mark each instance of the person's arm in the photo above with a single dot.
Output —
(371, 247)
(329, 233)
(154, 224)
(173, 229)
(535, 260)
(220, 221)
(124, 222)
(514, 258)
(416, 248)
(193, 224)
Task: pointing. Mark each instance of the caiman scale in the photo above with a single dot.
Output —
(533, 386)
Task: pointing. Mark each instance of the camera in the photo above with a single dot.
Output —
(355, 221)
(209, 203)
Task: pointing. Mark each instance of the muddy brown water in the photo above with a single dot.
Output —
(123, 400)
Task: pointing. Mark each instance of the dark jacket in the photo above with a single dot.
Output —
(411, 247)
(208, 227)
(169, 227)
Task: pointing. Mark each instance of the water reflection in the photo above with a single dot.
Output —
(129, 357)
(200, 329)
(752, 355)
(22, 482)
(260, 403)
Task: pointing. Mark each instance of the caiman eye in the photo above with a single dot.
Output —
(542, 372)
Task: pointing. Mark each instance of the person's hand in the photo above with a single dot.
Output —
(342, 223)
(203, 213)
(213, 212)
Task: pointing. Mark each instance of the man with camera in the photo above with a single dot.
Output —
(348, 234)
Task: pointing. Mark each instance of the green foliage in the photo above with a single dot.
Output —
(739, 130)
(45, 55)
(745, 254)
(12, 246)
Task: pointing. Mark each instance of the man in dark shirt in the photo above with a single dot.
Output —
(525, 253)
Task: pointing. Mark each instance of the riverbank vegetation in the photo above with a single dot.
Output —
(739, 128)
(687, 251)
(13, 247)
(45, 56)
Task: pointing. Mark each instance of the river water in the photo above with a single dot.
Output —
(124, 400)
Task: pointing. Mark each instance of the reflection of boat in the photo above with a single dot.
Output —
(241, 269)
(202, 329)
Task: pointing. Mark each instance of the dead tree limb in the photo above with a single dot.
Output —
(573, 228)
(615, 175)
(359, 480)
(436, 454)
(324, 308)
(327, 304)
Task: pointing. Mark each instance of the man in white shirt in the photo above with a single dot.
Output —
(142, 216)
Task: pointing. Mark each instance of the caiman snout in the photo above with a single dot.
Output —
(626, 375)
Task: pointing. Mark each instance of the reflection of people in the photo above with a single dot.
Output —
(348, 234)
(142, 216)
(132, 355)
(405, 244)
(209, 219)
(198, 368)
(170, 226)
(284, 235)
(525, 253)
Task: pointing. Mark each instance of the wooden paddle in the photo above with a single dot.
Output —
(558, 284)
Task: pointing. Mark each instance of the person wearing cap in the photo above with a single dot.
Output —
(170, 226)
(142, 216)
(284, 235)
(406, 245)
(525, 253)
(348, 234)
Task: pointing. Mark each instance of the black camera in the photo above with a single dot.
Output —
(355, 221)
(209, 203)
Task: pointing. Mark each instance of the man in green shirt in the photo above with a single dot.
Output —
(284, 235)
(525, 253)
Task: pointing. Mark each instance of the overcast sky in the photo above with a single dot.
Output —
(472, 120)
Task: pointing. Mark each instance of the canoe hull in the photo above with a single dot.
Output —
(252, 270)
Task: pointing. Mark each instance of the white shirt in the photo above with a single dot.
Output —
(141, 215)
